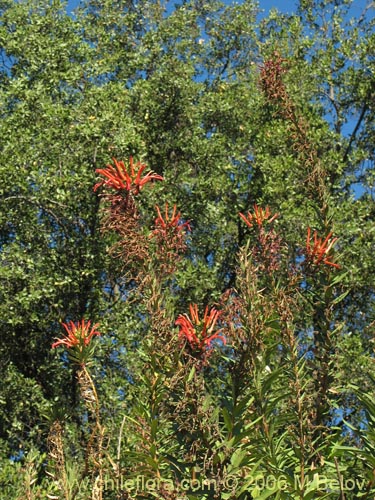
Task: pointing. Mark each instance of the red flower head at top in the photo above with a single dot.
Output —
(78, 339)
(318, 250)
(258, 216)
(119, 177)
(169, 224)
(199, 333)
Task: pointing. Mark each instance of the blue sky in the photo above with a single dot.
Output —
(282, 5)
(287, 6)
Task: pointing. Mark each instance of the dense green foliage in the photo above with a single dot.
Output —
(232, 109)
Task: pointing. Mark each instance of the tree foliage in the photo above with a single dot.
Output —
(237, 112)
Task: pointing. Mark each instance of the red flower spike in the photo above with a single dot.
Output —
(258, 216)
(163, 224)
(199, 332)
(79, 335)
(119, 177)
(318, 252)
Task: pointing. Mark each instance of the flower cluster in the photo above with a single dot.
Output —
(199, 333)
(317, 250)
(169, 224)
(259, 216)
(267, 249)
(120, 177)
(173, 221)
(78, 339)
(123, 183)
(169, 234)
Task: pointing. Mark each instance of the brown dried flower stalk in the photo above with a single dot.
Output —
(276, 94)
(94, 452)
(56, 455)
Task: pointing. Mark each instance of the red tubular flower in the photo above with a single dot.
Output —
(166, 224)
(319, 250)
(258, 216)
(119, 177)
(199, 332)
(79, 336)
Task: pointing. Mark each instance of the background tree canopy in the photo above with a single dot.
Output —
(232, 108)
